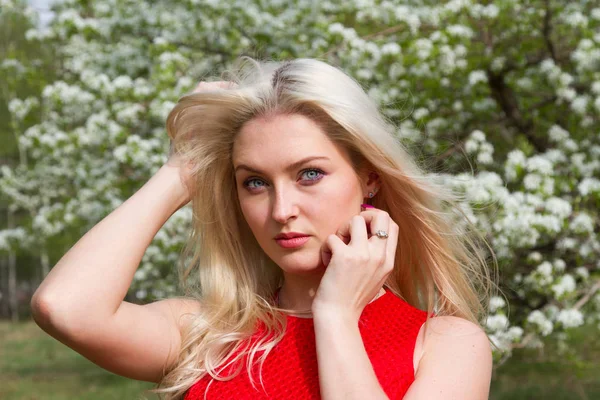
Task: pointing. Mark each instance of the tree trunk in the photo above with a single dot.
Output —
(45, 262)
(12, 278)
(4, 312)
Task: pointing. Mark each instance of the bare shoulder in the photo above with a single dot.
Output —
(442, 334)
(440, 330)
(449, 325)
(455, 359)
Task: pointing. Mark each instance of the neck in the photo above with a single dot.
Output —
(297, 293)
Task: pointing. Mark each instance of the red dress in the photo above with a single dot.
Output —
(389, 327)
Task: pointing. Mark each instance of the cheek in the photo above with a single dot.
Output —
(250, 213)
(335, 206)
(255, 216)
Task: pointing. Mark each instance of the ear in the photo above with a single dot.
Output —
(370, 182)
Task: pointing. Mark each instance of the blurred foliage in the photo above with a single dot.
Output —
(499, 99)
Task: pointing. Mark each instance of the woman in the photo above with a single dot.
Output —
(316, 241)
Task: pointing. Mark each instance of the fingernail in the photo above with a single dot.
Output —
(366, 206)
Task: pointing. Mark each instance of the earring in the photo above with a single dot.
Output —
(371, 194)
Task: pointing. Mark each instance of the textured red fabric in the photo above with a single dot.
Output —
(389, 327)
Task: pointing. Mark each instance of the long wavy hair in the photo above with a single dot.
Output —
(440, 263)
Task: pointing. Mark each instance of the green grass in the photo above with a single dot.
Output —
(35, 366)
(547, 374)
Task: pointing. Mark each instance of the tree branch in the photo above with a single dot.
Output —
(587, 296)
(506, 99)
(448, 152)
(547, 31)
(544, 102)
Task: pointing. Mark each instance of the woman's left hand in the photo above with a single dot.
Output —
(357, 265)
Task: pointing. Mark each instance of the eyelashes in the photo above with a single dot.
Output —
(320, 173)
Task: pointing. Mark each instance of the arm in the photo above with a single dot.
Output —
(456, 363)
(80, 302)
(354, 274)
(345, 371)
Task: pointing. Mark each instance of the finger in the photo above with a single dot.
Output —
(343, 231)
(392, 245)
(332, 245)
(377, 220)
(358, 232)
(371, 217)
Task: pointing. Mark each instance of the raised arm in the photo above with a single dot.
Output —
(80, 302)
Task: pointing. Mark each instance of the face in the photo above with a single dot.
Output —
(281, 190)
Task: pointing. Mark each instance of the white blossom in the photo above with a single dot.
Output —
(514, 160)
(532, 181)
(566, 284)
(478, 136)
(497, 322)
(536, 317)
(420, 113)
(496, 303)
(559, 265)
(582, 272)
(471, 146)
(579, 104)
(559, 207)
(123, 82)
(460, 31)
(540, 165)
(525, 83)
(566, 243)
(545, 269)
(568, 94)
(582, 223)
(576, 18)
(20, 108)
(534, 256)
(391, 48)
(484, 158)
(423, 47)
(570, 318)
(515, 333)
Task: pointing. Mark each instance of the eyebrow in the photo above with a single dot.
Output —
(289, 167)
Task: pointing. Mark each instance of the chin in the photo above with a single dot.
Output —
(300, 263)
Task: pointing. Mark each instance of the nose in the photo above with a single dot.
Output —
(284, 206)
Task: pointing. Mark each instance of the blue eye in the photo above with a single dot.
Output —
(312, 174)
(315, 174)
(247, 183)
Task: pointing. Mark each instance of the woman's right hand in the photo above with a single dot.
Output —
(175, 161)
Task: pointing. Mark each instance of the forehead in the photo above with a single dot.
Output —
(290, 137)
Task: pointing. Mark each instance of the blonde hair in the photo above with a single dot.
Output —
(438, 267)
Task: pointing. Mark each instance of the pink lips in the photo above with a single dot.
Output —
(292, 242)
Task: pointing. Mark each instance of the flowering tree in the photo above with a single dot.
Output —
(25, 68)
(501, 100)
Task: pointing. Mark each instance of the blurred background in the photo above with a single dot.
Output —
(498, 99)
